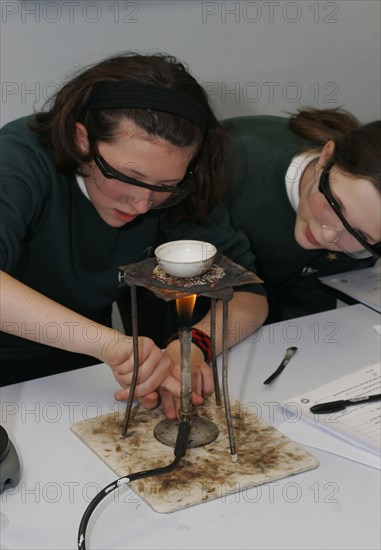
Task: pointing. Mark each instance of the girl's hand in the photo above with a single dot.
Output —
(153, 365)
(159, 375)
(202, 384)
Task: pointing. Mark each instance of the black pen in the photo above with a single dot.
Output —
(333, 406)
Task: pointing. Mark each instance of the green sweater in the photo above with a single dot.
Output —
(259, 206)
(53, 240)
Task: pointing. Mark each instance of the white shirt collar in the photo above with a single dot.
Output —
(294, 174)
(81, 185)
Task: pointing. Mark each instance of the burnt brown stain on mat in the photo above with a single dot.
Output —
(260, 449)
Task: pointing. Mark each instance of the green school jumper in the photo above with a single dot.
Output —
(53, 240)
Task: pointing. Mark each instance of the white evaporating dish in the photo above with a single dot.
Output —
(186, 258)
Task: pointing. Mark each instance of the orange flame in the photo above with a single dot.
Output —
(185, 307)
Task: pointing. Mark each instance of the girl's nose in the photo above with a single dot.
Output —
(142, 203)
(330, 234)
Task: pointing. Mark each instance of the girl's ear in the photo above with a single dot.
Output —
(81, 137)
(326, 153)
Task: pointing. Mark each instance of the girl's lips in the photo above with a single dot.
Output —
(310, 237)
(123, 216)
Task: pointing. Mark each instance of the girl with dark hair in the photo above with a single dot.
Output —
(128, 154)
(306, 192)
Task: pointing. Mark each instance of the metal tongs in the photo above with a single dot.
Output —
(289, 353)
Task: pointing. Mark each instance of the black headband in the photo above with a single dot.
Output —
(125, 94)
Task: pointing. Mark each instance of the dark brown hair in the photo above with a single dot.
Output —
(56, 125)
(357, 146)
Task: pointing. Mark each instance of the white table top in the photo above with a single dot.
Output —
(334, 506)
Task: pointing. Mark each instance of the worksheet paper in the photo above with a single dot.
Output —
(364, 285)
(354, 432)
